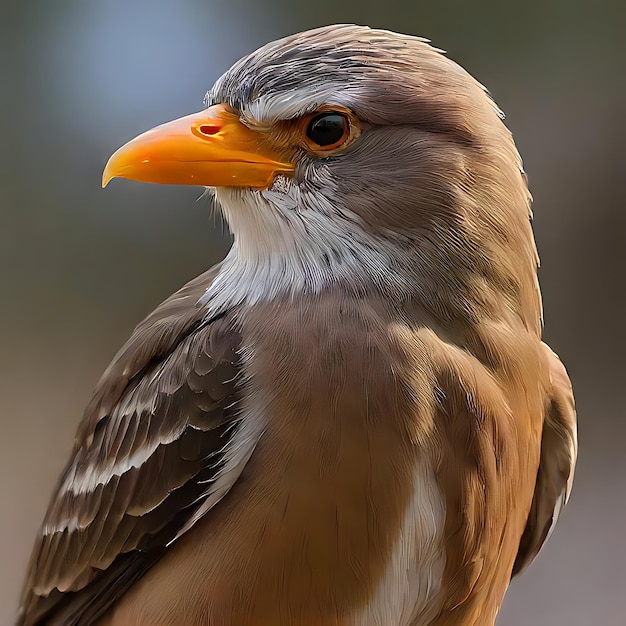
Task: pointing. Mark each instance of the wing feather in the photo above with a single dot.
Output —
(147, 457)
(559, 448)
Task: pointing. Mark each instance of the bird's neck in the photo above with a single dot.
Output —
(281, 251)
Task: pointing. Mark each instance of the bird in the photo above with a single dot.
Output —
(351, 420)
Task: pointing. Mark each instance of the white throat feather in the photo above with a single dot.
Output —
(288, 241)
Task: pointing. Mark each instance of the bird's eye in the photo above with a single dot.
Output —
(328, 130)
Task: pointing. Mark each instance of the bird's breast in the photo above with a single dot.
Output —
(350, 516)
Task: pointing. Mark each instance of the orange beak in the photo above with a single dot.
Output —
(212, 148)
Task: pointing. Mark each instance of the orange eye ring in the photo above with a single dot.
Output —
(328, 129)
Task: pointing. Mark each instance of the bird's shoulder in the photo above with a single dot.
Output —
(150, 452)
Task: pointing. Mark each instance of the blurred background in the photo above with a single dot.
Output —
(79, 267)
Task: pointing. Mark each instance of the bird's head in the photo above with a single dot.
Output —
(360, 159)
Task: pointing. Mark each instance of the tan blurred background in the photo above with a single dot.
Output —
(80, 266)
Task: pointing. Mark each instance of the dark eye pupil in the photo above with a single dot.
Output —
(327, 129)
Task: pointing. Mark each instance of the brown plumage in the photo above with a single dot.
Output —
(351, 420)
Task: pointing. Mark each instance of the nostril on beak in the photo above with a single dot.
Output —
(209, 129)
